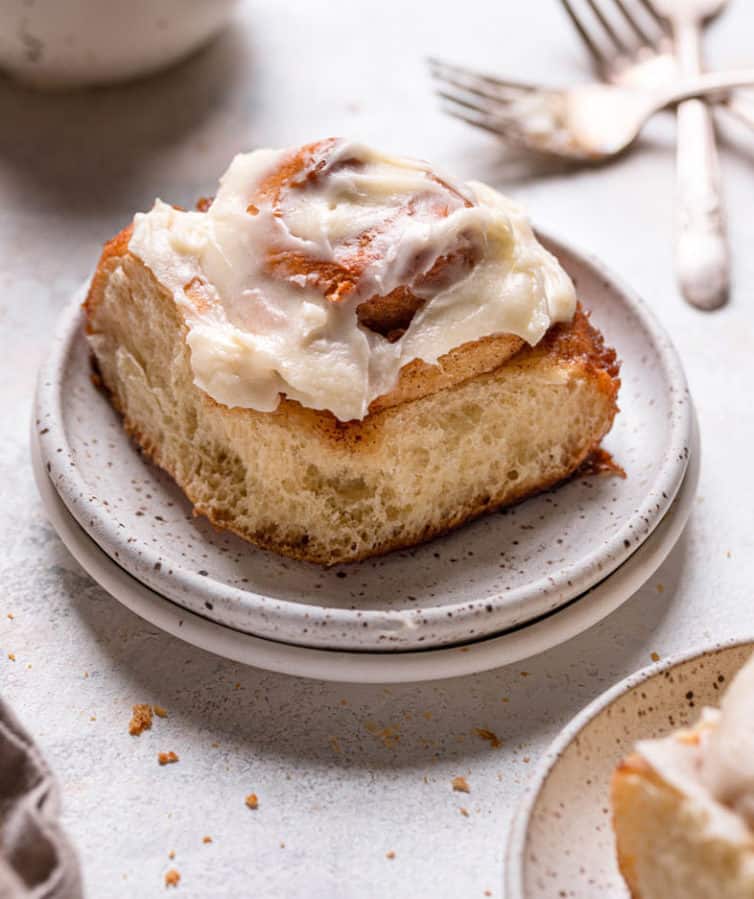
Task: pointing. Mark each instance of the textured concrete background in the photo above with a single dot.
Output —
(344, 774)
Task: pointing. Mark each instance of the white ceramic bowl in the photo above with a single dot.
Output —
(561, 842)
(489, 576)
(70, 43)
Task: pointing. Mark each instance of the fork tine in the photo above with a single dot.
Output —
(477, 122)
(607, 25)
(439, 68)
(589, 42)
(467, 104)
(650, 8)
(633, 22)
(495, 93)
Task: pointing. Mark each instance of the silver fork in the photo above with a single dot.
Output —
(644, 54)
(589, 123)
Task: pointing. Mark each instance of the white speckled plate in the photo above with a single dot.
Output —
(375, 667)
(561, 843)
(491, 575)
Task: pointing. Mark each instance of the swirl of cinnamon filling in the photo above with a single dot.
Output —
(323, 272)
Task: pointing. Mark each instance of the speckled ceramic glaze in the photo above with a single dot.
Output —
(375, 667)
(496, 573)
(561, 843)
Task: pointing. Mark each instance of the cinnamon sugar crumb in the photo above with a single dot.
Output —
(11, 616)
(335, 743)
(252, 801)
(171, 854)
(167, 758)
(141, 719)
(12, 656)
(488, 735)
(464, 812)
(460, 785)
(206, 839)
(655, 657)
(172, 878)
(390, 854)
(160, 711)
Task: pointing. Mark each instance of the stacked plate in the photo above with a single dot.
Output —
(505, 587)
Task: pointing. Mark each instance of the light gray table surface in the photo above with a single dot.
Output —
(335, 796)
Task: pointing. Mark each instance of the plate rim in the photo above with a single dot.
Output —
(513, 879)
(290, 613)
(405, 666)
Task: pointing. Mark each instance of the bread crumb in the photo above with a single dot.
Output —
(141, 719)
(282, 845)
(464, 812)
(488, 892)
(524, 674)
(526, 759)
(335, 743)
(655, 657)
(252, 800)
(167, 758)
(206, 839)
(427, 715)
(11, 616)
(461, 785)
(388, 735)
(160, 711)
(237, 686)
(344, 701)
(488, 735)
(215, 745)
(86, 674)
(92, 717)
(172, 878)
(12, 656)
(171, 854)
(390, 854)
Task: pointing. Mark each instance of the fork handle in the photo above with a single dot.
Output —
(701, 246)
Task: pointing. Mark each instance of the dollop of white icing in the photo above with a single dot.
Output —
(255, 336)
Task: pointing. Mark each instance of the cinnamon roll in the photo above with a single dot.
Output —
(683, 805)
(344, 352)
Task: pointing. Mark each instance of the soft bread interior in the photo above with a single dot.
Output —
(447, 448)
(664, 847)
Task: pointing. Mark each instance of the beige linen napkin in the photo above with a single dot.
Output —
(36, 860)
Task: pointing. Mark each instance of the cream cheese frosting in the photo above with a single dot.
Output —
(714, 763)
(254, 336)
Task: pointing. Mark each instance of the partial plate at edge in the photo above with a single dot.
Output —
(489, 576)
(561, 842)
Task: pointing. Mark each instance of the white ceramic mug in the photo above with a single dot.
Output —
(69, 43)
